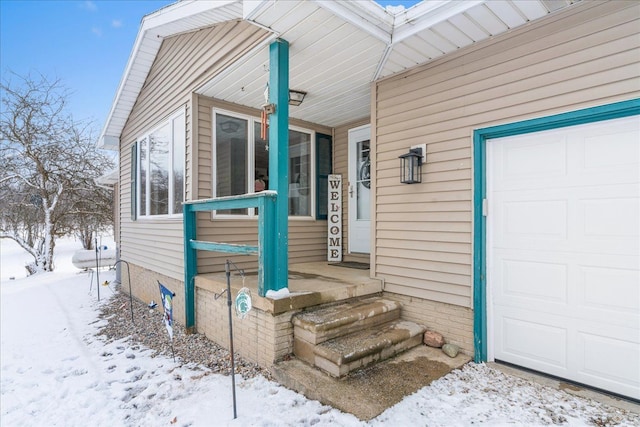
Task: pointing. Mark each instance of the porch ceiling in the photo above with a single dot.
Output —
(337, 48)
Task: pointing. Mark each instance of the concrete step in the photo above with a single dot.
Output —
(341, 355)
(317, 326)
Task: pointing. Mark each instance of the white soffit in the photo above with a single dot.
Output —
(337, 48)
(424, 34)
(335, 75)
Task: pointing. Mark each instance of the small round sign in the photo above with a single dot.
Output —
(243, 303)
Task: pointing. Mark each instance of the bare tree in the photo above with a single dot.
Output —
(49, 166)
(92, 212)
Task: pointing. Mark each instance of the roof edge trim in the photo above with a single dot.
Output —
(252, 8)
(109, 142)
(365, 23)
(425, 15)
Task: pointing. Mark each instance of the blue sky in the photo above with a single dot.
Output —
(86, 44)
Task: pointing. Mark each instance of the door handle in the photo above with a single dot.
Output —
(350, 190)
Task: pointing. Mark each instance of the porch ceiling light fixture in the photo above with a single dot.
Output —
(411, 166)
(229, 126)
(296, 97)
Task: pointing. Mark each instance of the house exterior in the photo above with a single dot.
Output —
(521, 243)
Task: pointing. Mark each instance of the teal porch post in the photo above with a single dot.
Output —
(279, 162)
(190, 266)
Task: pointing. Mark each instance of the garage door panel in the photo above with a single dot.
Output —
(606, 226)
(605, 156)
(597, 155)
(534, 341)
(609, 363)
(543, 281)
(521, 167)
(563, 259)
(610, 218)
(610, 289)
(578, 350)
(533, 155)
(540, 219)
(604, 290)
(620, 331)
(569, 312)
(587, 258)
(610, 151)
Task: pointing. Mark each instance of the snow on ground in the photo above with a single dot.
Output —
(56, 372)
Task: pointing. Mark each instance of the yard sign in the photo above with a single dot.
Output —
(167, 303)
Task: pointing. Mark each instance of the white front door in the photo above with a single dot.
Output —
(563, 262)
(359, 189)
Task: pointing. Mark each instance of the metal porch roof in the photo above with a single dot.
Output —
(337, 48)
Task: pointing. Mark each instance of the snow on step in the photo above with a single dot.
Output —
(342, 355)
(317, 326)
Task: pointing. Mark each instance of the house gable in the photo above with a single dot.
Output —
(183, 63)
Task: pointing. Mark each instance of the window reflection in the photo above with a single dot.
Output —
(161, 160)
(231, 158)
(159, 170)
(234, 174)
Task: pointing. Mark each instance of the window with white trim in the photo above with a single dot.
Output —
(241, 163)
(160, 166)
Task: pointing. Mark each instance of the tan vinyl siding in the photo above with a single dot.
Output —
(183, 63)
(341, 167)
(586, 56)
(307, 236)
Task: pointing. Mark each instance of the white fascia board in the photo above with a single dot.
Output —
(382, 62)
(109, 142)
(367, 16)
(180, 10)
(109, 178)
(252, 8)
(251, 11)
(425, 15)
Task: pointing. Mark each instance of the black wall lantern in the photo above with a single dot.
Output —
(411, 166)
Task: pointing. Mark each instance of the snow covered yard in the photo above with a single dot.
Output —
(55, 371)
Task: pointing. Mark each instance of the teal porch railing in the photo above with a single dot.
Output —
(266, 249)
(273, 234)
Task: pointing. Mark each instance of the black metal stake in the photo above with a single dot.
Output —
(233, 370)
(229, 303)
(97, 268)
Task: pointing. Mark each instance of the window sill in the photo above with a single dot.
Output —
(162, 218)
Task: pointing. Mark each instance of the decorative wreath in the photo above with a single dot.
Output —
(364, 172)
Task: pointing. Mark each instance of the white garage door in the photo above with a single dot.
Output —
(563, 259)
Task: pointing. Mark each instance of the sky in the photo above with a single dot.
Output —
(57, 372)
(86, 44)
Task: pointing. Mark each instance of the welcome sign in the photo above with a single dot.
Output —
(334, 219)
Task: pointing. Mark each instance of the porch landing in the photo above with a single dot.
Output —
(310, 284)
(373, 389)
